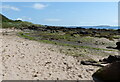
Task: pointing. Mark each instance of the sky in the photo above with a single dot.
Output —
(63, 13)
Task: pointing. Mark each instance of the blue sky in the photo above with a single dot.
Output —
(63, 13)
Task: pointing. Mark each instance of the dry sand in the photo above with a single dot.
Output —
(24, 59)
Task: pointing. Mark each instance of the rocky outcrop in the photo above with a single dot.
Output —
(109, 72)
(111, 59)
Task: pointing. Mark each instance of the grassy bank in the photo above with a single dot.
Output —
(28, 36)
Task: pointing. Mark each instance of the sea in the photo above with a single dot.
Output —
(96, 27)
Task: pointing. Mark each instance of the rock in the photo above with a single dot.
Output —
(87, 62)
(94, 32)
(111, 59)
(32, 27)
(109, 72)
(79, 42)
(48, 63)
(34, 75)
(118, 45)
(80, 76)
(93, 63)
(90, 69)
(83, 32)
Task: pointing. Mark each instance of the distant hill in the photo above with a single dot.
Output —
(5, 19)
(8, 23)
(103, 26)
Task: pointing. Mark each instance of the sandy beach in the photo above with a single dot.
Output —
(24, 59)
(59, 41)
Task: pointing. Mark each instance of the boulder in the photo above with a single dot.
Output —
(94, 32)
(111, 59)
(118, 45)
(32, 27)
(83, 32)
(109, 72)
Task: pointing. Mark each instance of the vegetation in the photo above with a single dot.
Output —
(47, 38)
(18, 24)
(80, 40)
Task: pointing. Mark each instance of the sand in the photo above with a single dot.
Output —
(24, 59)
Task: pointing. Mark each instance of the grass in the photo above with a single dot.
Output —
(18, 24)
(116, 36)
(68, 49)
(56, 35)
(27, 36)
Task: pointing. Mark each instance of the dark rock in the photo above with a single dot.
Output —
(51, 39)
(118, 45)
(34, 75)
(93, 63)
(65, 63)
(109, 72)
(32, 27)
(94, 32)
(71, 34)
(79, 42)
(83, 32)
(48, 62)
(90, 69)
(80, 76)
(111, 59)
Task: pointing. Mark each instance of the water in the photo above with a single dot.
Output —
(97, 27)
(102, 27)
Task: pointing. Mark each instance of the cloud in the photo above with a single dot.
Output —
(24, 18)
(10, 7)
(53, 20)
(19, 19)
(39, 6)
